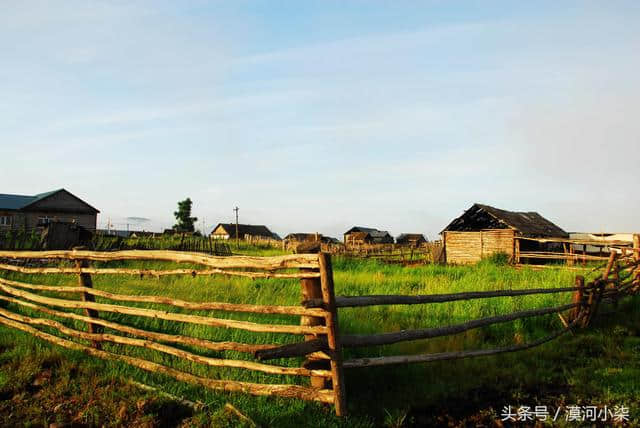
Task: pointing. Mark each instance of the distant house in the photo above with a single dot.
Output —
(296, 238)
(245, 231)
(483, 230)
(413, 239)
(18, 211)
(366, 235)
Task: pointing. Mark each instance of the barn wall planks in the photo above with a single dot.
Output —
(471, 247)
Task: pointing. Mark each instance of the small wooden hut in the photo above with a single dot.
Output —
(358, 235)
(483, 230)
(411, 239)
(245, 231)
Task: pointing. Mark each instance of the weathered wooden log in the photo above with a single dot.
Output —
(162, 337)
(594, 242)
(611, 260)
(578, 296)
(154, 273)
(333, 339)
(594, 302)
(298, 349)
(409, 359)
(148, 344)
(311, 289)
(267, 263)
(231, 307)
(292, 391)
(546, 267)
(556, 256)
(85, 283)
(407, 335)
(195, 405)
(170, 316)
(357, 301)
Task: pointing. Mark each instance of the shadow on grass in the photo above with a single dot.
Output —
(599, 365)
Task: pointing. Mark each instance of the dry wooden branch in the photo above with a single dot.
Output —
(163, 337)
(357, 301)
(170, 316)
(543, 267)
(232, 307)
(231, 409)
(406, 335)
(155, 273)
(408, 359)
(213, 362)
(298, 349)
(557, 256)
(292, 391)
(267, 263)
(194, 405)
(594, 242)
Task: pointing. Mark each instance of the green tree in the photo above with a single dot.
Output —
(183, 216)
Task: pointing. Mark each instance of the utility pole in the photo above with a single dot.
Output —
(236, 209)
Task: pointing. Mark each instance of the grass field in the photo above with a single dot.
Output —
(40, 383)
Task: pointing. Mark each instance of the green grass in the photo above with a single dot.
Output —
(593, 365)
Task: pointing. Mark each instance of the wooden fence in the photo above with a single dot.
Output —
(323, 342)
(177, 242)
(430, 252)
(312, 270)
(570, 251)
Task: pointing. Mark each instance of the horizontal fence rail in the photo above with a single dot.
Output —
(375, 300)
(571, 251)
(408, 359)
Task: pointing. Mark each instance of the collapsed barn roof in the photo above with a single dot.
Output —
(480, 217)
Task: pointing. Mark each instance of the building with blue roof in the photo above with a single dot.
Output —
(29, 212)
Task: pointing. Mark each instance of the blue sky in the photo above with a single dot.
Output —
(315, 116)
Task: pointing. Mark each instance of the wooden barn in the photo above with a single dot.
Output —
(29, 212)
(366, 235)
(483, 230)
(411, 239)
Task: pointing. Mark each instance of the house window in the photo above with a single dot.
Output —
(5, 220)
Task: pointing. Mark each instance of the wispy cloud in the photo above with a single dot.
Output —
(152, 102)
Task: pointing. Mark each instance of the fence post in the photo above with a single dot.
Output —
(333, 335)
(612, 258)
(578, 295)
(84, 280)
(600, 285)
(311, 289)
(570, 260)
